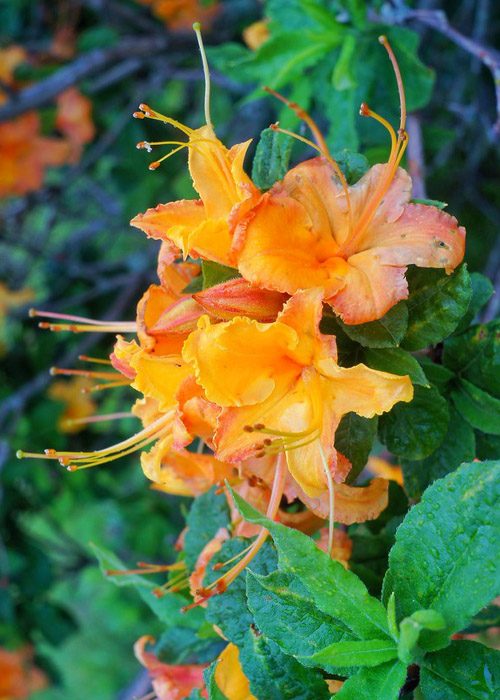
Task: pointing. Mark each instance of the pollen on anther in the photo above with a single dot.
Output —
(154, 165)
(259, 426)
(248, 428)
(138, 115)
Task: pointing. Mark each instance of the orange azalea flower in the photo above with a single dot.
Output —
(201, 227)
(282, 389)
(170, 682)
(256, 34)
(19, 678)
(78, 404)
(355, 243)
(229, 676)
(381, 467)
(180, 14)
(10, 299)
(74, 121)
(342, 545)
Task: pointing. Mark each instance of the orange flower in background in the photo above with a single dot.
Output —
(170, 682)
(381, 467)
(180, 14)
(77, 403)
(26, 153)
(282, 389)
(19, 677)
(74, 121)
(11, 299)
(354, 242)
(256, 34)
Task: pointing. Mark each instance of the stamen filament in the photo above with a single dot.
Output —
(81, 328)
(98, 418)
(399, 80)
(36, 313)
(55, 371)
(331, 504)
(146, 111)
(109, 385)
(96, 360)
(206, 72)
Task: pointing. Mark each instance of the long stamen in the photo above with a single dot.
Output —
(147, 112)
(331, 504)
(98, 418)
(220, 585)
(56, 371)
(95, 360)
(320, 140)
(80, 320)
(83, 460)
(146, 569)
(206, 72)
(399, 80)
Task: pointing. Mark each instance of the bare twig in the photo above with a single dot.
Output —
(415, 152)
(88, 64)
(490, 58)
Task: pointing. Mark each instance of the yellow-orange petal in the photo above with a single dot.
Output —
(281, 251)
(363, 390)
(423, 235)
(217, 172)
(381, 467)
(239, 297)
(371, 288)
(170, 221)
(206, 554)
(237, 362)
(158, 377)
(353, 504)
(229, 675)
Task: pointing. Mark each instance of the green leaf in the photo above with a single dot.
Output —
(464, 671)
(271, 158)
(475, 356)
(458, 446)
(437, 375)
(166, 608)
(482, 289)
(377, 683)
(431, 203)
(387, 332)
(372, 652)
(487, 446)
(213, 273)
(480, 409)
(284, 611)
(230, 611)
(396, 361)
(436, 304)
(335, 590)
(391, 617)
(353, 165)
(184, 645)
(409, 633)
(343, 76)
(414, 430)
(446, 552)
(354, 439)
(274, 675)
(208, 513)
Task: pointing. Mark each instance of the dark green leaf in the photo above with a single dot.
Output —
(482, 289)
(213, 273)
(414, 430)
(446, 552)
(396, 361)
(458, 446)
(208, 513)
(387, 332)
(475, 355)
(274, 675)
(372, 652)
(230, 611)
(183, 645)
(285, 612)
(335, 591)
(354, 439)
(464, 671)
(377, 683)
(353, 165)
(436, 304)
(343, 77)
(271, 158)
(487, 446)
(437, 375)
(480, 409)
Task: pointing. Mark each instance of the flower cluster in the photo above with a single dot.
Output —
(237, 381)
(26, 151)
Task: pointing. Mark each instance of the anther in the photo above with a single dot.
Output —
(248, 428)
(259, 426)
(138, 115)
(154, 165)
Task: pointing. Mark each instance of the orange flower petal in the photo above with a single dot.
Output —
(229, 675)
(353, 504)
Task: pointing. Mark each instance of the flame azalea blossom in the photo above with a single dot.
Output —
(74, 121)
(19, 678)
(170, 682)
(180, 14)
(281, 388)
(229, 676)
(78, 404)
(355, 243)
